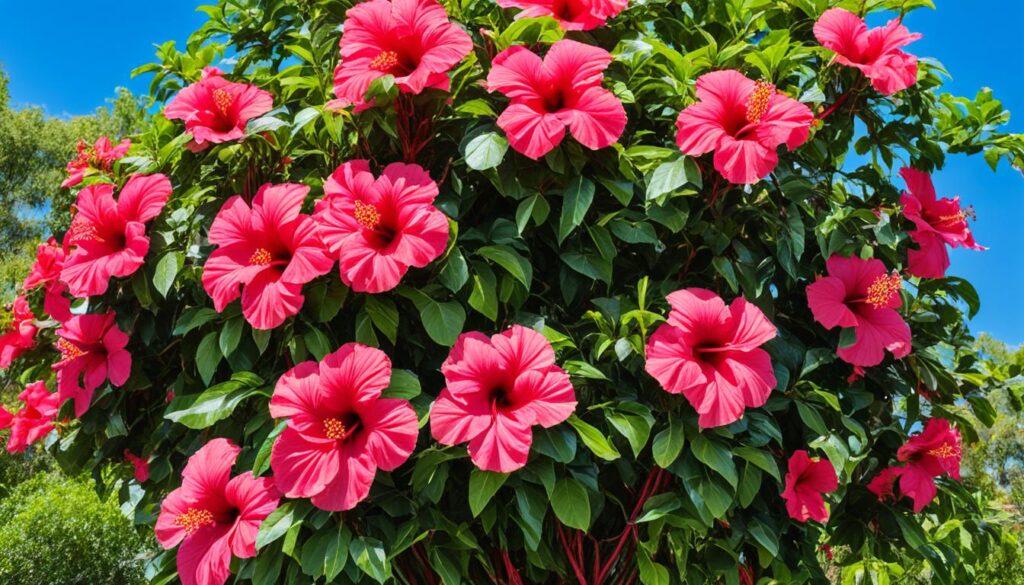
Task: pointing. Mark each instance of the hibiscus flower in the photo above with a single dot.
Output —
(214, 516)
(710, 353)
(340, 430)
(547, 96)
(92, 351)
(98, 157)
(884, 484)
(744, 122)
(45, 272)
(22, 333)
(269, 250)
(139, 464)
(934, 452)
(497, 389)
(378, 227)
(35, 420)
(939, 222)
(807, 480)
(216, 110)
(107, 238)
(861, 295)
(875, 52)
(5, 418)
(412, 40)
(570, 14)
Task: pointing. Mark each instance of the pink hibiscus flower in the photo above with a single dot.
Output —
(6, 418)
(807, 480)
(412, 40)
(570, 14)
(35, 420)
(497, 389)
(45, 272)
(860, 294)
(378, 227)
(92, 351)
(340, 430)
(939, 222)
(216, 110)
(22, 333)
(884, 484)
(929, 454)
(564, 90)
(269, 250)
(710, 353)
(744, 122)
(139, 464)
(108, 238)
(98, 157)
(214, 516)
(875, 52)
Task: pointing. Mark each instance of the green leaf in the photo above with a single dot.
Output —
(368, 554)
(404, 385)
(192, 318)
(672, 175)
(576, 200)
(716, 456)
(485, 151)
(445, 566)
(337, 553)
(484, 296)
(764, 536)
(268, 569)
(443, 321)
(262, 461)
(812, 418)
(633, 421)
(482, 487)
(511, 261)
(166, 271)
(208, 356)
(651, 573)
(595, 441)
(571, 503)
(384, 315)
(231, 334)
(279, 522)
(669, 443)
(199, 411)
(761, 459)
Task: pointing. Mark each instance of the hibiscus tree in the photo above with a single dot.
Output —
(379, 227)
(744, 122)
(711, 354)
(497, 389)
(875, 52)
(216, 110)
(561, 91)
(214, 516)
(340, 430)
(107, 237)
(268, 250)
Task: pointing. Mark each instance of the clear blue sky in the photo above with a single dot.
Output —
(71, 61)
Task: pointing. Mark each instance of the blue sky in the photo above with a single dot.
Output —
(71, 61)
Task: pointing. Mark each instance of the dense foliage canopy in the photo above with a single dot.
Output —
(554, 291)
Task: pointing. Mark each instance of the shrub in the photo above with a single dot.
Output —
(56, 531)
(565, 341)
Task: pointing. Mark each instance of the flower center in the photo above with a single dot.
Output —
(261, 257)
(194, 519)
(82, 230)
(338, 429)
(757, 103)
(944, 451)
(223, 100)
(69, 350)
(883, 290)
(955, 218)
(367, 215)
(385, 61)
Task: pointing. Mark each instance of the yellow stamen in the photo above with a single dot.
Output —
(69, 350)
(757, 103)
(223, 100)
(82, 230)
(194, 519)
(334, 429)
(385, 61)
(945, 451)
(883, 290)
(261, 257)
(367, 215)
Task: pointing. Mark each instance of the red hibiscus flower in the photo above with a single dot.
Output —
(269, 250)
(939, 222)
(139, 464)
(932, 453)
(45, 272)
(378, 227)
(744, 122)
(884, 484)
(875, 52)
(216, 110)
(860, 294)
(570, 14)
(214, 516)
(5, 418)
(21, 336)
(497, 389)
(92, 351)
(340, 430)
(35, 420)
(807, 480)
(710, 353)
(412, 40)
(564, 90)
(98, 157)
(107, 238)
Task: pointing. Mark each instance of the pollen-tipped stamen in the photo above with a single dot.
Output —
(82, 230)
(193, 519)
(384, 61)
(945, 451)
(955, 218)
(223, 100)
(883, 290)
(261, 257)
(367, 215)
(68, 350)
(757, 103)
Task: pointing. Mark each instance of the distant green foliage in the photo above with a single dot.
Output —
(56, 531)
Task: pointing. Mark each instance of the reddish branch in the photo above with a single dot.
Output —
(414, 131)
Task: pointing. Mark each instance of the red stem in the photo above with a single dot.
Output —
(569, 554)
(836, 105)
